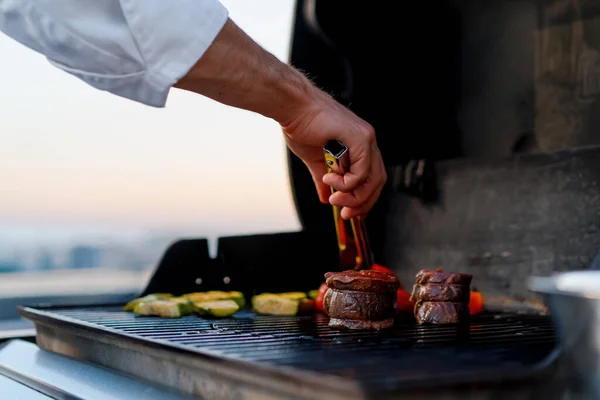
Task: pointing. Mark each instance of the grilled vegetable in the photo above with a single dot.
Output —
(306, 306)
(218, 308)
(475, 303)
(273, 304)
(169, 308)
(404, 305)
(238, 297)
(213, 295)
(293, 295)
(151, 297)
(319, 300)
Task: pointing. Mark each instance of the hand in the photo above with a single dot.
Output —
(325, 119)
(236, 71)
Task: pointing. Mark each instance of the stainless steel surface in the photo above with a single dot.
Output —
(574, 302)
(11, 390)
(64, 378)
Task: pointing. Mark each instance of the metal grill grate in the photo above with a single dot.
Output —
(491, 346)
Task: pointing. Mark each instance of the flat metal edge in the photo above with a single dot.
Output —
(16, 390)
(198, 373)
(17, 333)
(63, 378)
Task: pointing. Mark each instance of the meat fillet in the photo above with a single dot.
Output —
(361, 299)
(445, 278)
(441, 312)
(440, 292)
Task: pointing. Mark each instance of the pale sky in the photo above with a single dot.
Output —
(70, 154)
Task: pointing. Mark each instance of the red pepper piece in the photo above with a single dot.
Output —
(476, 303)
(319, 300)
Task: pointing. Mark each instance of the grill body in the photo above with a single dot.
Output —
(266, 357)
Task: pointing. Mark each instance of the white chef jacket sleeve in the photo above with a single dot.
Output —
(137, 49)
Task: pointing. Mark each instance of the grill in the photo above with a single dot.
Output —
(251, 356)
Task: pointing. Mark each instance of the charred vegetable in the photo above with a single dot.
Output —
(213, 295)
(274, 304)
(217, 308)
(169, 308)
(151, 297)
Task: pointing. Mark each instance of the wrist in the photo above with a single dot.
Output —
(294, 95)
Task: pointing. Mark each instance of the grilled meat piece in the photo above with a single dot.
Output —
(351, 304)
(446, 278)
(441, 312)
(361, 299)
(359, 324)
(363, 281)
(440, 292)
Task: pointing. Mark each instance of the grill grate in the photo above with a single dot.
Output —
(493, 345)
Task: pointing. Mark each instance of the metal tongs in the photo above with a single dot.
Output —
(352, 237)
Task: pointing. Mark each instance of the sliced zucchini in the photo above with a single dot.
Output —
(185, 305)
(150, 297)
(293, 295)
(164, 308)
(202, 297)
(218, 308)
(238, 297)
(273, 304)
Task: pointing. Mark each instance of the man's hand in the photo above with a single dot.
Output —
(238, 72)
(324, 120)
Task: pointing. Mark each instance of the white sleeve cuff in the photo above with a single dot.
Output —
(171, 37)
(132, 48)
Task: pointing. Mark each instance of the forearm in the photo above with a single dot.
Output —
(236, 71)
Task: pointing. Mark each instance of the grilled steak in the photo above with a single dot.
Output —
(361, 299)
(359, 305)
(363, 281)
(441, 312)
(360, 324)
(441, 297)
(440, 292)
(445, 278)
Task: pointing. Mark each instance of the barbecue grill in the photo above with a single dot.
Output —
(495, 175)
(249, 356)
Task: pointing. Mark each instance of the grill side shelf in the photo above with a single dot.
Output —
(300, 358)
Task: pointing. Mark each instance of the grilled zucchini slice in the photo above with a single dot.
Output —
(151, 297)
(170, 308)
(218, 308)
(273, 304)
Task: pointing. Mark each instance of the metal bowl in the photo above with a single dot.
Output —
(573, 299)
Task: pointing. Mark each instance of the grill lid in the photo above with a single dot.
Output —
(301, 355)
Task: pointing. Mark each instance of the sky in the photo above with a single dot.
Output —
(73, 157)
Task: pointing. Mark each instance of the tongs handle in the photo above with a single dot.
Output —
(353, 240)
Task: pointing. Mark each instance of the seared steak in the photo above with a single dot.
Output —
(359, 324)
(441, 297)
(445, 278)
(359, 305)
(439, 292)
(441, 312)
(361, 299)
(363, 281)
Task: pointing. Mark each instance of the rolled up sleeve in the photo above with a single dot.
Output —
(132, 48)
